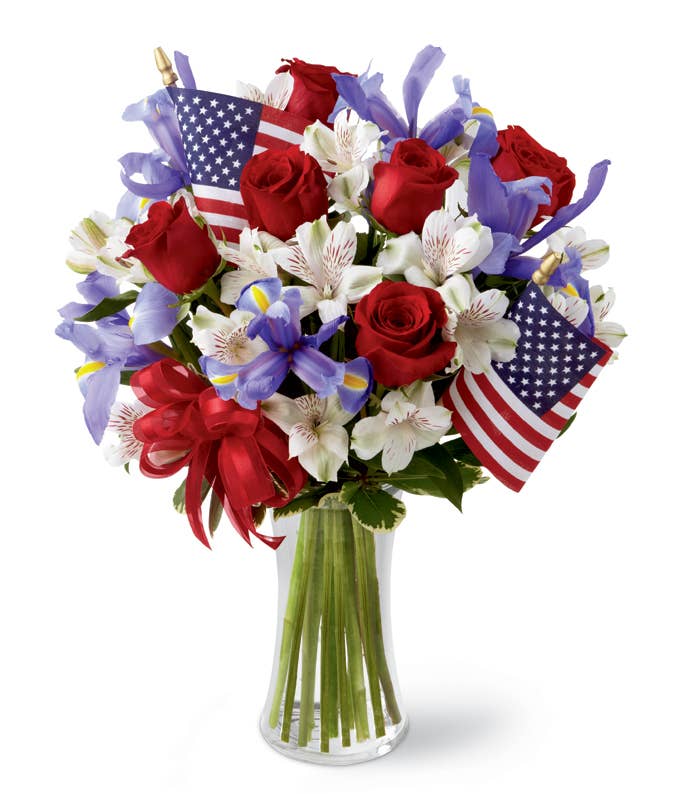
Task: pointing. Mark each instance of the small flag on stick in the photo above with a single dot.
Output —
(510, 415)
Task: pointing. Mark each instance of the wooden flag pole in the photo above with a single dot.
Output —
(164, 65)
(548, 266)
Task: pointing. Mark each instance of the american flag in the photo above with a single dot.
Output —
(510, 415)
(220, 133)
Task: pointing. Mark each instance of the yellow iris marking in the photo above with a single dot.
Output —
(89, 368)
(222, 380)
(354, 381)
(131, 320)
(260, 298)
(143, 202)
(486, 111)
(570, 290)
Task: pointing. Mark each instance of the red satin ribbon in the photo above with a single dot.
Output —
(240, 453)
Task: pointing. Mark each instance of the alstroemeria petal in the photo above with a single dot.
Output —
(332, 308)
(369, 436)
(400, 253)
(324, 459)
(345, 189)
(400, 445)
(311, 237)
(358, 281)
(338, 253)
(283, 411)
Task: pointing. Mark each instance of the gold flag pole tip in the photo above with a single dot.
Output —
(164, 65)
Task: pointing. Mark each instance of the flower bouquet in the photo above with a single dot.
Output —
(310, 303)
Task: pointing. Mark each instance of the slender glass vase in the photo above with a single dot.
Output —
(333, 696)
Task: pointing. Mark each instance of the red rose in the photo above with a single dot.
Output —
(314, 92)
(282, 188)
(410, 186)
(400, 332)
(177, 252)
(520, 156)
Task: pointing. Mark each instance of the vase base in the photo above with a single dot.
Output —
(337, 755)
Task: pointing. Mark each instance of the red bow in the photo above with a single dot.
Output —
(240, 453)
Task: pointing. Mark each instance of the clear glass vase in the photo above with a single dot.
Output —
(333, 696)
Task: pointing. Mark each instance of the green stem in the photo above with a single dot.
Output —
(341, 664)
(376, 621)
(326, 634)
(310, 634)
(288, 621)
(367, 633)
(354, 654)
(181, 341)
(296, 630)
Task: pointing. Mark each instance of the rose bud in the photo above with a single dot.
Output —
(281, 189)
(400, 332)
(410, 186)
(177, 252)
(520, 156)
(314, 92)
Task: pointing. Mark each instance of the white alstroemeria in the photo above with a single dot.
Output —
(350, 142)
(253, 260)
(408, 421)
(593, 253)
(128, 447)
(323, 259)
(606, 331)
(477, 326)
(571, 306)
(99, 244)
(449, 246)
(348, 150)
(225, 338)
(316, 433)
(276, 95)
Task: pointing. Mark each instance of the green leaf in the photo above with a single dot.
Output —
(568, 425)
(214, 513)
(125, 376)
(452, 485)
(179, 498)
(373, 508)
(299, 504)
(109, 306)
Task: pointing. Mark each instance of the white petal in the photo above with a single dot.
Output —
(332, 308)
(279, 90)
(572, 307)
(502, 337)
(601, 301)
(338, 253)
(421, 394)
(417, 276)
(430, 424)
(401, 443)
(293, 261)
(334, 413)
(400, 253)
(457, 293)
(312, 238)
(334, 439)
(346, 188)
(249, 91)
(358, 281)
(283, 411)
(369, 436)
(320, 142)
(234, 282)
(301, 438)
(594, 253)
(439, 244)
(610, 333)
(311, 298)
(321, 463)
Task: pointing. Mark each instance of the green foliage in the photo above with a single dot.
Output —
(303, 501)
(372, 507)
(109, 306)
(179, 498)
(568, 425)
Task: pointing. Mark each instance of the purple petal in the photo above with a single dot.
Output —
(419, 77)
(100, 394)
(220, 375)
(521, 267)
(565, 215)
(96, 286)
(486, 195)
(258, 296)
(524, 198)
(325, 332)
(259, 379)
(184, 71)
(486, 138)
(167, 181)
(319, 372)
(503, 246)
(154, 315)
(356, 384)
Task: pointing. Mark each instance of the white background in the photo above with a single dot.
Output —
(536, 635)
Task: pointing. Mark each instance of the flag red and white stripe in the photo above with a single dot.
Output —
(507, 437)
